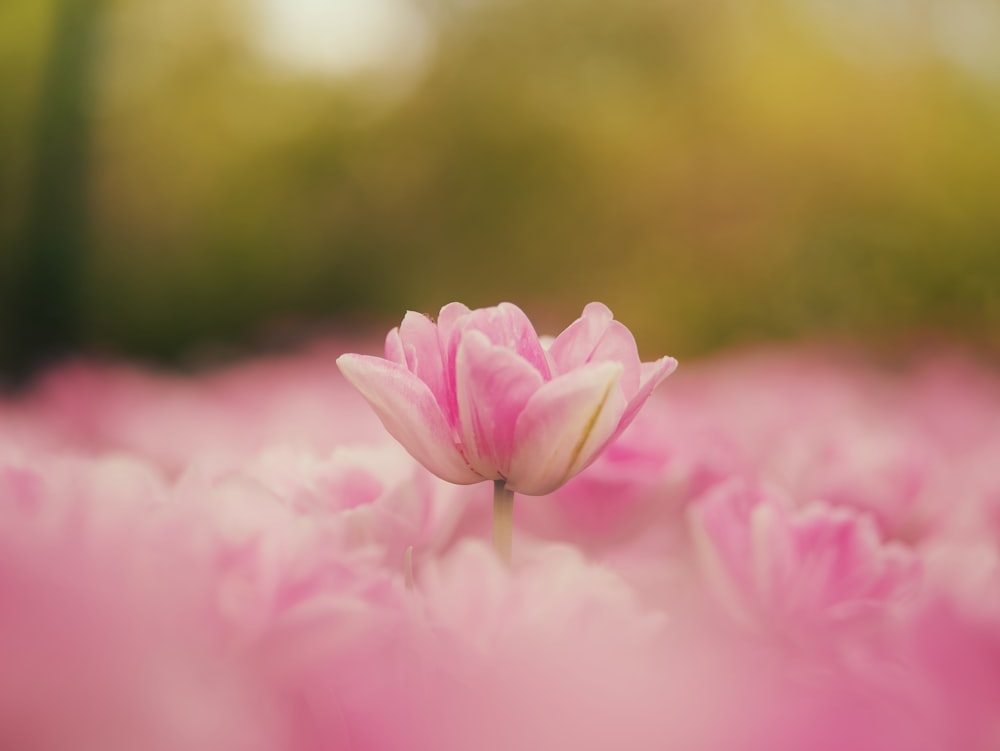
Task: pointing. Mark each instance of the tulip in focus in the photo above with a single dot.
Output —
(477, 396)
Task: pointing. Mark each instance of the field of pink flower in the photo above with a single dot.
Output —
(782, 550)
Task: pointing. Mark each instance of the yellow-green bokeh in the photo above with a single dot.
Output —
(716, 171)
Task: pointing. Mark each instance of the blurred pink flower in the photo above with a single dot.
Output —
(489, 658)
(100, 645)
(478, 397)
(225, 414)
(795, 570)
(373, 495)
(954, 656)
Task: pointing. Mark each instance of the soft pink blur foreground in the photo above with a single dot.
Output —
(785, 551)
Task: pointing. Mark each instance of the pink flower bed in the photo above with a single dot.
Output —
(783, 551)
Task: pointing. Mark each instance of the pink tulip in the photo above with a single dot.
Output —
(373, 495)
(477, 396)
(796, 569)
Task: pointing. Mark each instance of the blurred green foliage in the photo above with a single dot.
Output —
(717, 171)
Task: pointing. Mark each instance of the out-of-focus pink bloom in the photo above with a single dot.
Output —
(489, 658)
(795, 570)
(478, 397)
(953, 641)
(100, 649)
(375, 495)
(867, 462)
(226, 414)
(954, 662)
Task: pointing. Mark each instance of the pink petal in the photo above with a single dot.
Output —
(597, 337)
(618, 345)
(394, 347)
(507, 326)
(563, 426)
(651, 374)
(450, 321)
(574, 346)
(408, 410)
(449, 317)
(493, 385)
(422, 351)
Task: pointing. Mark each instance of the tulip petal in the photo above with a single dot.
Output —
(507, 326)
(410, 413)
(651, 374)
(618, 345)
(394, 348)
(423, 357)
(448, 320)
(449, 323)
(576, 343)
(493, 384)
(563, 425)
(596, 337)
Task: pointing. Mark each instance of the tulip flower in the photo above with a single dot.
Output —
(478, 396)
(797, 570)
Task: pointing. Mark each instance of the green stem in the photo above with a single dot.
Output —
(503, 520)
(408, 567)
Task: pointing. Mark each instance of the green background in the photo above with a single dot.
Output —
(717, 172)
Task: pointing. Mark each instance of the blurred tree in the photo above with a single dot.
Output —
(49, 257)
